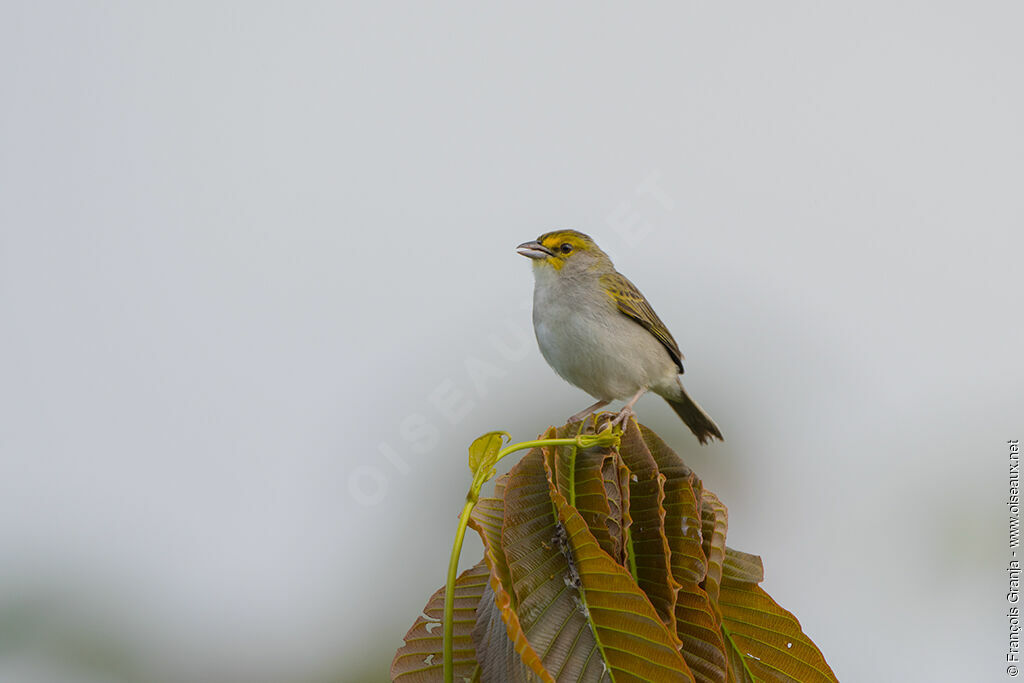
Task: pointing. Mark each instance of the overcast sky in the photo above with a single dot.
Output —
(259, 292)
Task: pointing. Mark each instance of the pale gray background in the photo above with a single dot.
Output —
(244, 245)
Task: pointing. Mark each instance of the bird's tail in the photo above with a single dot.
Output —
(699, 422)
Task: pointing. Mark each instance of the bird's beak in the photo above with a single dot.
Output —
(534, 250)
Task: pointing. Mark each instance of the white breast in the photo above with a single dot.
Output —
(591, 344)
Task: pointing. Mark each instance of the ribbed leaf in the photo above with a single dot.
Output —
(499, 658)
(484, 450)
(647, 532)
(682, 508)
(697, 625)
(420, 660)
(633, 641)
(499, 637)
(549, 606)
(565, 463)
(599, 489)
(766, 640)
(738, 671)
(486, 519)
(503, 651)
(743, 567)
(715, 522)
(606, 564)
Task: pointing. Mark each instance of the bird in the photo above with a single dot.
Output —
(599, 333)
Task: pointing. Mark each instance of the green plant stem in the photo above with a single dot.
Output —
(572, 467)
(479, 479)
(449, 593)
(534, 444)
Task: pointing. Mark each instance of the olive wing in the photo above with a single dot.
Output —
(633, 304)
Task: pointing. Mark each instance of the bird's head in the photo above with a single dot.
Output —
(564, 249)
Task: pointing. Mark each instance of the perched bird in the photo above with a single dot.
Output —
(599, 332)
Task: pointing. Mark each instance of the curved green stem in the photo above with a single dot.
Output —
(535, 444)
(449, 593)
(483, 473)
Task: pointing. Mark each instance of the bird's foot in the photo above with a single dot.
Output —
(623, 414)
(627, 409)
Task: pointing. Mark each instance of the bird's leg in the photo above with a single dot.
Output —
(578, 417)
(627, 409)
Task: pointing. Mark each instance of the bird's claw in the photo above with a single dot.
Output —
(621, 417)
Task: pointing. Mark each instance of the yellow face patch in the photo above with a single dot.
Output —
(563, 244)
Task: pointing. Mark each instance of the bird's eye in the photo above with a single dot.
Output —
(566, 248)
